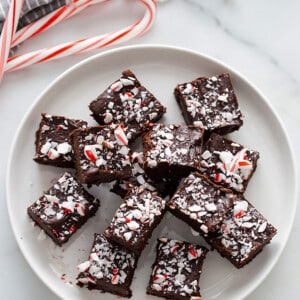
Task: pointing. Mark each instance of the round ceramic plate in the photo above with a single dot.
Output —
(159, 68)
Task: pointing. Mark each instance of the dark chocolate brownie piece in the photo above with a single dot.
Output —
(134, 221)
(110, 268)
(63, 208)
(210, 103)
(139, 178)
(242, 234)
(53, 145)
(101, 154)
(201, 203)
(172, 151)
(127, 101)
(176, 271)
(228, 163)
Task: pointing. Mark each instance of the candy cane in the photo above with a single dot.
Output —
(8, 32)
(52, 19)
(65, 49)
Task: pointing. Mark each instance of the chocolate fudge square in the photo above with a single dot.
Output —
(210, 103)
(101, 154)
(139, 178)
(110, 268)
(134, 221)
(63, 208)
(228, 163)
(172, 151)
(176, 271)
(242, 234)
(201, 203)
(52, 143)
(127, 101)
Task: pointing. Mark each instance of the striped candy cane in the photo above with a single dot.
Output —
(9, 29)
(52, 19)
(9, 38)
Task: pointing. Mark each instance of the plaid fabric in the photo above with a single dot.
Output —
(31, 11)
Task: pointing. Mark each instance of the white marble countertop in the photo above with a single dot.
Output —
(261, 39)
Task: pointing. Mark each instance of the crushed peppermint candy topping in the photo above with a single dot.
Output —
(108, 262)
(242, 233)
(90, 152)
(228, 163)
(120, 136)
(126, 101)
(139, 212)
(139, 178)
(53, 154)
(210, 103)
(63, 206)
(104, 147)
(174, 144)
(84, 266)
(177, 268)
(53, 141)
(202, 202)
(108, 117)
(64, 148)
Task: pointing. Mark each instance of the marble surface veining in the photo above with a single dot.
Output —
(261, 39)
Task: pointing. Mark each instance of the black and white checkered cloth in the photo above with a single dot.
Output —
(32, 10)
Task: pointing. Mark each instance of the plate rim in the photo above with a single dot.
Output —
(188, 51)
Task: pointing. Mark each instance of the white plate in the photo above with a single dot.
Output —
(272, 189)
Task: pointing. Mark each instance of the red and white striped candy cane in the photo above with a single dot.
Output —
(8, 31)
(59, 15)
(9, 38)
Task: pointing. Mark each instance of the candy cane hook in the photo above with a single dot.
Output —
(9, 38)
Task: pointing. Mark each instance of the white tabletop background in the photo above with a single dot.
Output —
(260, 39)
